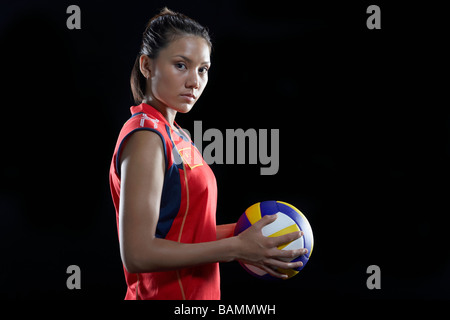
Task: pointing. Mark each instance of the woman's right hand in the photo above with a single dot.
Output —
(262, 252)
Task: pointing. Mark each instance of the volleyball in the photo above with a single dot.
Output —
(289, 219)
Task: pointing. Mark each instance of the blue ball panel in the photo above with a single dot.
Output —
(291, 213)
(303, 259)
(268, 208)
(242, 224)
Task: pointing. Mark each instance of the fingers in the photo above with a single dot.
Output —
(272, 266)
(264, 221)
(275, 242)
(274, 273)
(286, 238)
(287, 254)
(273, 263)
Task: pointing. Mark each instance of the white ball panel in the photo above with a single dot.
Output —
(296, 244)
(281, 222)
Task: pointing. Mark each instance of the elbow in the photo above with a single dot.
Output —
(130, 266)
(129, 262)
(132, 263)
(135, 263)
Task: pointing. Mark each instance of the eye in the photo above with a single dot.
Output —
(203, 70)
(180, 66)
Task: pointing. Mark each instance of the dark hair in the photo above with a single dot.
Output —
(163, 28)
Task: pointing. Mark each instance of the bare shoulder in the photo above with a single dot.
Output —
(143, 148)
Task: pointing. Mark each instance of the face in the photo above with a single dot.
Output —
(178, 76)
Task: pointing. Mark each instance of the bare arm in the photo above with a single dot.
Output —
(142, 169)
(225, 231)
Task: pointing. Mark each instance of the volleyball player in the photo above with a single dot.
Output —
(164, 193)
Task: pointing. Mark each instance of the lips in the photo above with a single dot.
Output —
(190, 96)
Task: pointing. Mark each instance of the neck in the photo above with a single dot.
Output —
(167, 112)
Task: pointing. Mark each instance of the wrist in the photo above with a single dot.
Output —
(234, 248)
(230, 247)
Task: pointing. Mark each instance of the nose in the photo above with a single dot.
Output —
(192, 82)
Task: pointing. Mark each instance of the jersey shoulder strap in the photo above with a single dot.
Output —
(144, 117)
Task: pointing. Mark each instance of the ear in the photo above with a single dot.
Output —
(145, 65)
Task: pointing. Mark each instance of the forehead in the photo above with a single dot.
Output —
(194, 48)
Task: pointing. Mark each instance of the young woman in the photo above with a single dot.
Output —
(163, 191)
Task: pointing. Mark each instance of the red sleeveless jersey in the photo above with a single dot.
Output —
(187, 212)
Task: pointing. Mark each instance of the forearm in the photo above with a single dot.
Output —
(165, 255)
(225, 231)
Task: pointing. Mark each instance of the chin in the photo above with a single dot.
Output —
(184, 108)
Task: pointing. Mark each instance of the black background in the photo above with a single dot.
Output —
(364, 140)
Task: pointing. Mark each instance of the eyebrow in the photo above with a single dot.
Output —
(189, 60)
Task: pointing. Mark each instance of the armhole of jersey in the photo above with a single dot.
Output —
(119, 150)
